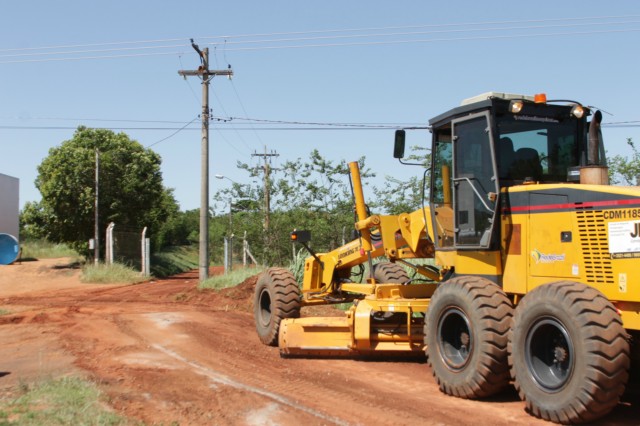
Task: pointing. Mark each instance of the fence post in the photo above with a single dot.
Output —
(144, 250)
(226, 255)
(244, 250)
(231, 253)
(109, 244)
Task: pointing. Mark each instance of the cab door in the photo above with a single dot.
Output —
(475, 186)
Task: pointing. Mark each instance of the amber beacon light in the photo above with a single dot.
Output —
(540, 98)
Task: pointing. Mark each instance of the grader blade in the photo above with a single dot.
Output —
(362, 331)
(315, 336)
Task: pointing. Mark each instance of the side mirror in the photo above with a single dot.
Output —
(300, 236)
(398, 147)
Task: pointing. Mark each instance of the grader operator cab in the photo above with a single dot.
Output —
(538, 265)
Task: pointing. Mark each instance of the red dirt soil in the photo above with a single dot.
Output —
(165, 352)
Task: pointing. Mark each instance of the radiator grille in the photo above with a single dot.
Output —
(595, 247)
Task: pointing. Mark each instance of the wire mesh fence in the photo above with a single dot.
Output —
(128, 246)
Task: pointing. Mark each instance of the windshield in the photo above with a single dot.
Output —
(536, 148)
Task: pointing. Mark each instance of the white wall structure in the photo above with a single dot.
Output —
(9, 205)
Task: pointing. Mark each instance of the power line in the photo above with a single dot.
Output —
(317, 123)
(405, 27)
(192, 129)
(415, 33)
(290, 125)
(244, 109)
(326, 45)
(225, 122)
(323, 37)
(222, 119)
(93, 127)
(79, 52)
(174, 133)
(262, 129)
(232, 146)
(302, 42)
(328, 31)
(187, 82)
(433, 40)
(108, 120)
(83, 58)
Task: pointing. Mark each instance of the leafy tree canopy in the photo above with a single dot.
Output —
(131, 192)
(397, 196)
(312, 194)
(625, 170)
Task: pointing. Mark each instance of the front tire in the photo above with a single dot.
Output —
(466, 329)
(276, 297)
(390, 273)
(568, 352)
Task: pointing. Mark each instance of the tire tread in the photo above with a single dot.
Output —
(285, 302)
(494, 311)
(607, 352)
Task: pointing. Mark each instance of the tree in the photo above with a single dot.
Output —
(625, 170)
(33, 221)
(313, 194)
(403, 197)
(131, 192)
(180, 229)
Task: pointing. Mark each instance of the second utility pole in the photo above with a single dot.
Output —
(206, 75)
(267, 196)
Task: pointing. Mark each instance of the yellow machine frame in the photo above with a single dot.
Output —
(537, 279)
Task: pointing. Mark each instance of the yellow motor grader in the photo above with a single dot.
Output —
(538, 265)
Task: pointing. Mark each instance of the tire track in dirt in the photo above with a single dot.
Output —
(362, 392)
(224, 380)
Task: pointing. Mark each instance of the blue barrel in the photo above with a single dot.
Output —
(9, 249)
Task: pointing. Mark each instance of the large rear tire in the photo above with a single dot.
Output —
(568, 352)
(276, 297)
(390, 273)
(466, 333)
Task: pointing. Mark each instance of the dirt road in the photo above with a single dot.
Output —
(165, 352)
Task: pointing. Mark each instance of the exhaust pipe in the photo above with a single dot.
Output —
(594, 173)
(594, 140)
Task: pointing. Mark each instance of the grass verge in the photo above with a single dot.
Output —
(231, 279)
(110, 274)
(43, 249)
(66, 401)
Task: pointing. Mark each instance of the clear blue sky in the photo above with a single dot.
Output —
(408, 61)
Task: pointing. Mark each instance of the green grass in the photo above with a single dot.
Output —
(66, 401)
(110, 274)
(42, 249)
(174, 260)
(231, 279)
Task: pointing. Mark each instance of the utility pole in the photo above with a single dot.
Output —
(267, 196)
(267, 199)
(96, 233)
(206, 75)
